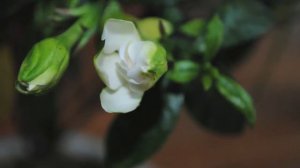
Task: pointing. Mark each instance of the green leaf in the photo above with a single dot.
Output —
(193, 27)
(213, 37)
(210, 109)
(136, 136)
(238, 96)
(184, 71)
(244, 20)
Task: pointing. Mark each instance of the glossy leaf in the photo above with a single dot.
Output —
(136, 136)
(211, 110)
(237, 96)
(184, 71)
(193, 28)
(213, 37)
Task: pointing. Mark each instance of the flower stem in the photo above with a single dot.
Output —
(87, 22)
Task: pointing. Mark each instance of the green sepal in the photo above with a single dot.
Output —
(157, 60)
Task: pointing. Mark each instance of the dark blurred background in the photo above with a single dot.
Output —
(66, 127)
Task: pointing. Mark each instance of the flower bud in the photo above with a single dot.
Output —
(42, 67)
(153, 28)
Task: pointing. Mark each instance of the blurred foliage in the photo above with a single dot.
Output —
(197, 48)
(211, 109)
(9, 7)
(244, 20)
(193, 27)
(134, 137)
(237, 96)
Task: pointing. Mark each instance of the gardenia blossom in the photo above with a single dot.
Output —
(127, 65)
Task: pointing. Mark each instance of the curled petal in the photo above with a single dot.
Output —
(134, 58)
(120, 101)
(140, 51)
(118, 32)
(147, 62)
(107, 68)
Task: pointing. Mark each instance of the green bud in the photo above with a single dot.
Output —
(42, 67)
(154, 28)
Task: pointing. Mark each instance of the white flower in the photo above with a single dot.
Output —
(127, 65)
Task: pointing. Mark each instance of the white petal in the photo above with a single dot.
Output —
(125, 59)
(120, 101)
(118, 32)
(107, 68)
(140, 51)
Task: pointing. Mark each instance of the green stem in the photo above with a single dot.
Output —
(71, 36)
(88, 21)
